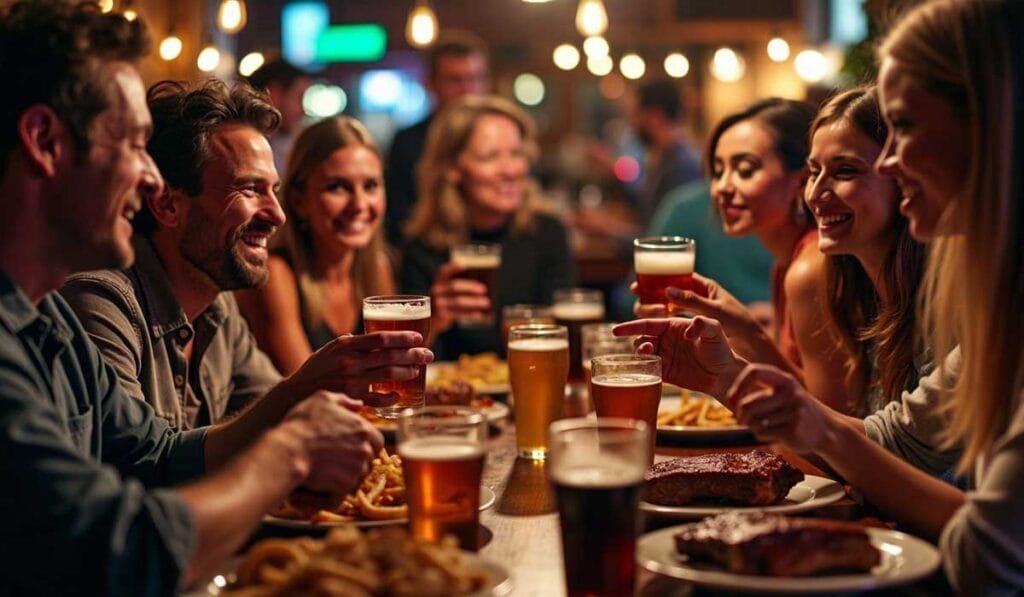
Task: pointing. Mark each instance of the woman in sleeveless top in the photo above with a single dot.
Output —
(330, 253)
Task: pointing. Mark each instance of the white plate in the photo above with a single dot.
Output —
(487, 499)
(904, 559)
(501, 580)
(671, 403)
(434, 368)
(813, 492)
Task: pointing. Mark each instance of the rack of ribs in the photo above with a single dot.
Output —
(752, 479)
(773, 545)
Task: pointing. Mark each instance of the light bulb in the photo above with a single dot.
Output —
(778, 49)
(566, 56)
(595, 45)
(208, 59)
(727, 66)
(170, 47)
(421, 28)
(811, 66)
(600, 65)
(231, 16)
(632, 66)
(106, 5)
(676, 65)
(250, 63)
(591, 18)
(130, 14)
(528, 89)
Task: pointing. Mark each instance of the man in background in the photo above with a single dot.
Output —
(456, 66)
(285, 85)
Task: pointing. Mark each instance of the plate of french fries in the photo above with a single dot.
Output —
(378, 501)
(693, 415)
(350, 562)
(487, 373)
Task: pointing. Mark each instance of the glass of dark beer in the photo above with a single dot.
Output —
(481, 262)
(574, 308)
(660, 262)
(399, 313)
(442, 450)
(597, 469)
(628, 386)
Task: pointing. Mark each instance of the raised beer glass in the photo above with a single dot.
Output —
(442, 450)
(660, 262)
(399, 313)
(628, 386)
(538, 365)
(512, 315)
(573, 308)
(597, 469)
(481, 262)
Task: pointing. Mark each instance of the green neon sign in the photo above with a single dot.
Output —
(351, 43)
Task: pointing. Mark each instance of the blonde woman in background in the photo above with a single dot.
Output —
(330, 253)
(475, 186)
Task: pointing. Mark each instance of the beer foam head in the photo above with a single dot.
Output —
(539, 344)
(395, 311)
(625, 380)
(604, 471)
(578, 311)
(471, 261)
(664, 263)
(439, 449)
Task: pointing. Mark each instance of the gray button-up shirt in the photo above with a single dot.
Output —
(82, 466)
(134, 318)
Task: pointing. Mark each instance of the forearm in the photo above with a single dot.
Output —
(923, 503)
(227, 505)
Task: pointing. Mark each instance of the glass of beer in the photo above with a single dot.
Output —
(399, 313)
(629, 386)
(538, 365)
(573, 308)
(513, 315)
(597, 469)
(481, 262)
(598, 340)
(442, 450)
(660, 262)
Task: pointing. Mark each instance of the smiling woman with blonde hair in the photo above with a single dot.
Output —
(475, 186)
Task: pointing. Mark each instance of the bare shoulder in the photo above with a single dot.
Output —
(805, 278)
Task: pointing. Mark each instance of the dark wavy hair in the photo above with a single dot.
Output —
(855, 305)
(185, 117)
(51, 53)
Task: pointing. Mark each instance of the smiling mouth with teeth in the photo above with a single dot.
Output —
(836, 219)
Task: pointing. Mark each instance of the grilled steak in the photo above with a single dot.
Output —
(753, 479)
(774, 545)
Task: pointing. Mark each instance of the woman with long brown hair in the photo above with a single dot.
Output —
(330, 253)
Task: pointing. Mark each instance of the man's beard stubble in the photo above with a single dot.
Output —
(225, 266)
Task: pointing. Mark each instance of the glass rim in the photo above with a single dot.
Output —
(476, 247)
(664, 243)
(588, 293)
(542, 329)
(614, 424)
(525, 307)
(384, 299)
(457, 414)
(626, 358)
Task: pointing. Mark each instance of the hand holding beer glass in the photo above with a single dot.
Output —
(628, 386)
(597, 468)
(573, 308)
(442, 450)
(399, 313)
(660, 262)
(538, 364)
(480, 262)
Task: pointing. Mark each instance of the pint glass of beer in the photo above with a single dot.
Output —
(481, 261)
(573, 308)
(628, 386)
(597, 469)
(599, 340)
(442, 450)
(538, 365)
(660, 262)
(399, 313)
(513, 315)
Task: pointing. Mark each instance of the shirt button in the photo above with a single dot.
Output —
(179, 380)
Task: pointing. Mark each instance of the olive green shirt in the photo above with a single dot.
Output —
(140, 328)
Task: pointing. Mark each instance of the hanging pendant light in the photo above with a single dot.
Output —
(232, 16)
(591, 18)
(421, 28)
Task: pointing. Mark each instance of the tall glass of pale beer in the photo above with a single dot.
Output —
(399, 313)
(660, 262)
(538, 365)
(481, 262)
(442, 450)
(597, 469)
(628, 386)
(574, 308)
(512, 315)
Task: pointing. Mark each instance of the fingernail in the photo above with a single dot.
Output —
(673, 292)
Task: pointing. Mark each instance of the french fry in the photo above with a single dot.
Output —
(697, 411)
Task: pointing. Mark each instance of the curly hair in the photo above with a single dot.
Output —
(52, 53)
(185, 117)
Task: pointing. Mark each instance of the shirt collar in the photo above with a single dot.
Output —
(18, 313)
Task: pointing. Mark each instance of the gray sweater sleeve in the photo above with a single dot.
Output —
(911, 427)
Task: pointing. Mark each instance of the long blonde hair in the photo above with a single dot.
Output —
(970, 53)
(312, 147)
(440, 217)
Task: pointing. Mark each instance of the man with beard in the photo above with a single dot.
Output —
(169, 324)
(102, 497)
